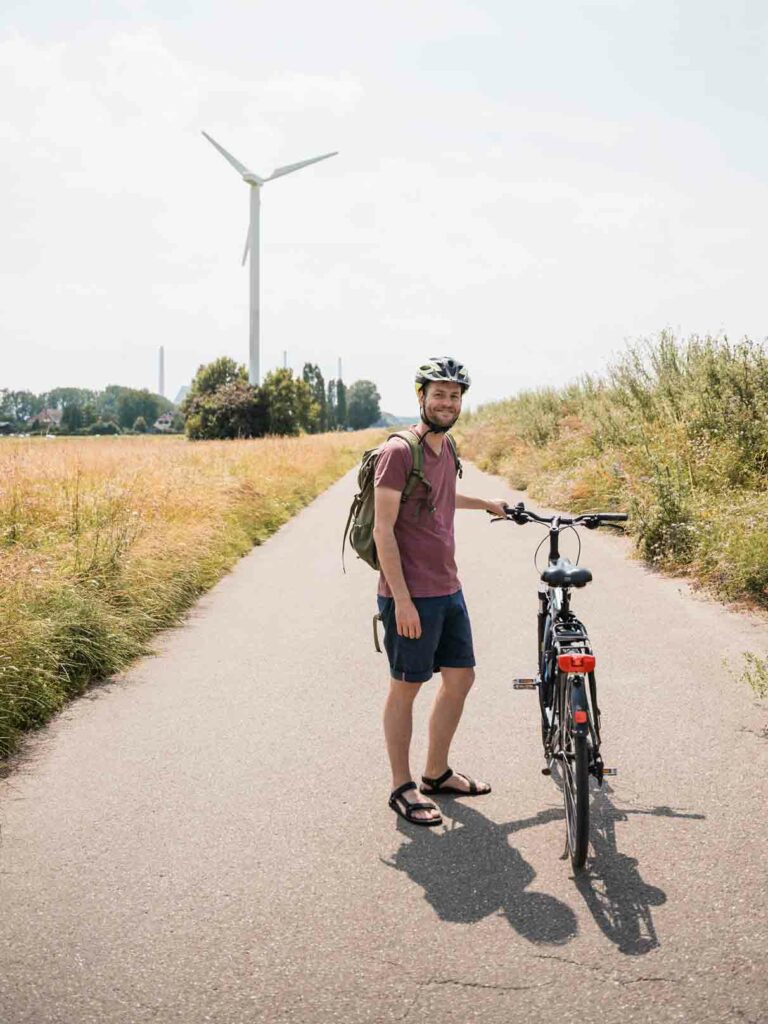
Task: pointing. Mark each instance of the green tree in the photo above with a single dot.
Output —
(288, 401)
(132, 404)
(123, 405)
(236, 409)
(211, 376)
(363, 407)
(341, 405)
(20, 406)
(72, 417)
(313, 377)
(330, 405)
(59, 398)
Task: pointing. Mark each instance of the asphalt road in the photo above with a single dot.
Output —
(207, 837)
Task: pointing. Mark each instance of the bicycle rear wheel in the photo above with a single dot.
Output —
(575, 766)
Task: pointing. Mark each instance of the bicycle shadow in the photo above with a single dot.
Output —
(616, 895)
(470, 871)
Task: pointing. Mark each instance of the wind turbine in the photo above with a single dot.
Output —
(252, 240)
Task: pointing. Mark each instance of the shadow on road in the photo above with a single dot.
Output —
(613, 889)
(470, 871)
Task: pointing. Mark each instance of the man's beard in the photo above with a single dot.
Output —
(437, 428)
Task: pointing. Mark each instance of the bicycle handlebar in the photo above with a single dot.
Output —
(521, 515)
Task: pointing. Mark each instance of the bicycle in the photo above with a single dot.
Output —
(566, 684)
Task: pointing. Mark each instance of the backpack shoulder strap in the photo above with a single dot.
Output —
(455, 453)
(417, 472)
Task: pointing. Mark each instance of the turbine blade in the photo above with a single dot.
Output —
(289, 168)
(247, 246)
(244, 172)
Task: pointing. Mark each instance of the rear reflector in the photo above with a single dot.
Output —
(579, 717)
(576, 662)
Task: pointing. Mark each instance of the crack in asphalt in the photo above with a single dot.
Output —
(565, 960)
(479, 984)
(634, 981)
(420, 985)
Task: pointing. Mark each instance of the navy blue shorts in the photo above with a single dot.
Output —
(445, 641)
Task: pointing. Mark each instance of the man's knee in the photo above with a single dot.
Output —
(459, 678)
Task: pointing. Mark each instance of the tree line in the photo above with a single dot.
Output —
(222, 403)
(114, 410)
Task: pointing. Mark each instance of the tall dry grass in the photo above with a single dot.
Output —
(104, 541)
(676, 433)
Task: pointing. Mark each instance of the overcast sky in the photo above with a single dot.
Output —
(521, 185)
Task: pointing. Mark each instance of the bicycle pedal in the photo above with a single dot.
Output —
(610, 771)
(523, 684)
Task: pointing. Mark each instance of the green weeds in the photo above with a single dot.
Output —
(675, 432)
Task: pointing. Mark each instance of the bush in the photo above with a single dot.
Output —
(102, 428)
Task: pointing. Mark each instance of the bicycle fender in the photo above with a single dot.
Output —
(579, 702)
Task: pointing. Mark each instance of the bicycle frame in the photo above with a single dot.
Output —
(561, 633)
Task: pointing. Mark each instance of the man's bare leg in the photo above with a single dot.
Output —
(444, 718)
(398, 729)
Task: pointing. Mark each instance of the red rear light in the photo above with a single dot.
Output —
(579, 717)
(576, 662)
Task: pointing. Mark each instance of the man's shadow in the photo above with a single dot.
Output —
(616, 895)
(470, 871)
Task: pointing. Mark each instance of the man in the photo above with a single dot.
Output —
(426, 624)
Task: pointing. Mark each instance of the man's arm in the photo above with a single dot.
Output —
(386, 511)
(497, 507)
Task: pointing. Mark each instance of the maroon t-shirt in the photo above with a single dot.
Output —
(425, 539)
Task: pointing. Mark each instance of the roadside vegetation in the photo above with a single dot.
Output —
(675, 433)
(105, 541)
(222, 403)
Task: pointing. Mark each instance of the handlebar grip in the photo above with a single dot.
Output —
(613, 517)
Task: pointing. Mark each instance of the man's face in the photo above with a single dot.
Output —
(442, 402)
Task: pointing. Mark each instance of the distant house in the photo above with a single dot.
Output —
(6, 427)
(164, 422)
(47, 418)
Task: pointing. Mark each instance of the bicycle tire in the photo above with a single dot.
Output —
(575, 758)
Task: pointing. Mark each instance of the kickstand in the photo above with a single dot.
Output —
(564, 855)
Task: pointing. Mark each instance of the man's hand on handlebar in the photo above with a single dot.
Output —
(497, 508)
(521, 515)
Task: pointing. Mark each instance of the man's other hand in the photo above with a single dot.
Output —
(407, 619)
(497, 508)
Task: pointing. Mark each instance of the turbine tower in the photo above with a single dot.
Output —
(252, 241)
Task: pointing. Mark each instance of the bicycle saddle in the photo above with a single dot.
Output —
(566, 574)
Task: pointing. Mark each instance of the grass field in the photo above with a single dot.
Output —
(104, 541)
(675, 433)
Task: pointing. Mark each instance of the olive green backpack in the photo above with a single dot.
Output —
(360, 523)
